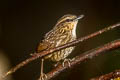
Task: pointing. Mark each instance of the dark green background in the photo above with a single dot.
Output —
(23, 23)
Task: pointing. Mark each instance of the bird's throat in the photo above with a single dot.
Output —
(74, 30)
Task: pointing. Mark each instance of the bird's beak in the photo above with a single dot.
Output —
(79, 17)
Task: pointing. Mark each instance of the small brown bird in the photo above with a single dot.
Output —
(63, 32)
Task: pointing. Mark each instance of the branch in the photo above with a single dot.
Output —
(46, 52)
(110, 76)
(85, 56)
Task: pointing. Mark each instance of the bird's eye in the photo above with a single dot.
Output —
(68, 20)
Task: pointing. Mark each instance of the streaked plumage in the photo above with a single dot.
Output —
(63, 32)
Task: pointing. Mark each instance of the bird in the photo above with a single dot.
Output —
(63, 32)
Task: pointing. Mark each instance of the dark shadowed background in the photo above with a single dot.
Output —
(23, 24)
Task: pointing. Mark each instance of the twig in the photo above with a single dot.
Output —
(85, 56)
(110, 76)
(43, 53)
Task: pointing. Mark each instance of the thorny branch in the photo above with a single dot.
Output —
(85, 56)
(110, 76)
(43, 53)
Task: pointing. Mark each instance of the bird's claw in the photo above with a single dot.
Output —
(68, 61)
(43, 77)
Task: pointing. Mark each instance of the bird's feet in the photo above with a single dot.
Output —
(68, 61)
(43, 76)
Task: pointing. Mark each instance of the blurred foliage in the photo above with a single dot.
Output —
(117, 78)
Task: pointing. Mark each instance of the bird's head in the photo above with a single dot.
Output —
(68, 21)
